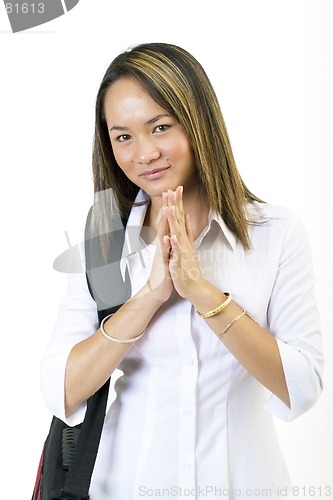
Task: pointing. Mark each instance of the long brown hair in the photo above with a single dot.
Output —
(179, 84)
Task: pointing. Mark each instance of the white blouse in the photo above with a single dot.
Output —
(186, 419)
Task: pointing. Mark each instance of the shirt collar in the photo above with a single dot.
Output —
(229, 235)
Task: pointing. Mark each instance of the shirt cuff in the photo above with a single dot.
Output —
(54, 390)
(302, 382)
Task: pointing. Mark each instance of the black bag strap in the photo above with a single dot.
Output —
(103, 273)
(80, 471)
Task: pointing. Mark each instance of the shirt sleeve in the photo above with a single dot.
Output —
(77, 320)
(293, 319)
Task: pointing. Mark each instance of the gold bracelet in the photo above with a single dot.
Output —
(243, 313)
(113, 339)
(218, 309)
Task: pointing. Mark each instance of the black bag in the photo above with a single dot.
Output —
(69, 453)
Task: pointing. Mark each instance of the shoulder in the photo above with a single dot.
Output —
(275, 223)
(269, 212)
(266, 214)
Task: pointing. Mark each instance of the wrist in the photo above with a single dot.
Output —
(206, 297)
(155, 297)
(199, 288)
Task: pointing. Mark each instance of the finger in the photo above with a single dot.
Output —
(174, 243)
(178, 197)
(172, 220)
(175, 250)
(170, 198)
(176, 212)
(175, 198)
(188, 228)
(162, 224)
(166, 247)
(167, 242)
(179, 200)
(165, 199)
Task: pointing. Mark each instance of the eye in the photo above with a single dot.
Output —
(123, 138)
(162, 128)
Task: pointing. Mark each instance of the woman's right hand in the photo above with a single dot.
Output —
(160, 283)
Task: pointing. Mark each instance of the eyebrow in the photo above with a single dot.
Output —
(149, 122)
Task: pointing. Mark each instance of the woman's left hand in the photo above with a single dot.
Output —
(183, 259)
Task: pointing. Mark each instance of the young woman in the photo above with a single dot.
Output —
(220, 331)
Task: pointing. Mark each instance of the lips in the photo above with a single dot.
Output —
(155, 173)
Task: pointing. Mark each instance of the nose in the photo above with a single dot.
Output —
(146, 150)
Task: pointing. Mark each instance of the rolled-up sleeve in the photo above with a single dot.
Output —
(294, 321)
(77, 320)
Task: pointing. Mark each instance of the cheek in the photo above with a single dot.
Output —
(121, 158)
(185, 152)
(181, 146)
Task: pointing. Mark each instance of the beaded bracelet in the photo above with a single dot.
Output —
(113, 339)
(217, 309)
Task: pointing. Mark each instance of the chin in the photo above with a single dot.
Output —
(158, 189)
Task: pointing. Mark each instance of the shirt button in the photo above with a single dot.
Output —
(187, 467)
(191, 362)
(187, 413)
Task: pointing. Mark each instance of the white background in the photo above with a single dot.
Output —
(271, 65)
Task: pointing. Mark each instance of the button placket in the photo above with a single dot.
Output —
(187, 395)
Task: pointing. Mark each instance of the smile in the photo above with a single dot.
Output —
(154, 174)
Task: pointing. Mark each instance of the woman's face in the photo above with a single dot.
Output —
(149, 145)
